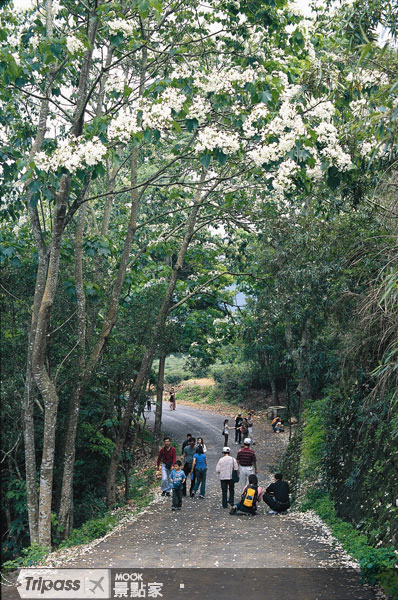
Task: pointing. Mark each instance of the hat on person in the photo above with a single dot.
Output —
(226, 449)
(247, 441)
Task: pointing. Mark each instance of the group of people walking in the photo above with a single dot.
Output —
(192, 467)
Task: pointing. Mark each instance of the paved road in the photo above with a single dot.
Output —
(203, 534)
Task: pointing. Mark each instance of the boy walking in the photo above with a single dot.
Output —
(177, 478)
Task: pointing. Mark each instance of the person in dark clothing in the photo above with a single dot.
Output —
(238, 431)
(277, 495)
(186, 442)
(187, 458)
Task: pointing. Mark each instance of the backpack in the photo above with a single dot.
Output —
(250, 497)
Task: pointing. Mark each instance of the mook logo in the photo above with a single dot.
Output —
(63, 583)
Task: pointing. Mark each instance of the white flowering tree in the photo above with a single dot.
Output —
(105, 100)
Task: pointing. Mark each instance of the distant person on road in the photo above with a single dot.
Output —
(148, 404)
(225, 430)
(277, 495)
(199, 467)
(177, 478)
(167, 457)
(200, 442)
(224, 468)
(187, 458)
(172, 399)
(238, 431)
(250, 427)
(252, 493)
(185, 442)
(245, 428)
(247, 462)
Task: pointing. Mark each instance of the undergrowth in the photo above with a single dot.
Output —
(378, 565)
(141, 494)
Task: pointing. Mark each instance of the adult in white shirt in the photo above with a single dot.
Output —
(224, 468)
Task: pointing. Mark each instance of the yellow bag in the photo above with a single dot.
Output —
(250, 497)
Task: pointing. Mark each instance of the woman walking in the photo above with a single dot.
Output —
(200, 442)
(225, 429)
(172, 399)
(250, 427)
(225, 467)
(199, 467)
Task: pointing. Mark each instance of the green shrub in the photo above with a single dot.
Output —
(377, 564)
(234, 379)
(176, 377)
(313, 446)
(32, 555)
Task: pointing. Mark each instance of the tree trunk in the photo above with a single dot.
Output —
(86, 375)
(274, 389)
(150, 350)
(304, 385)
(27, 408)
(64, 520)
(300, 358)
(44, 383)
(159, 404)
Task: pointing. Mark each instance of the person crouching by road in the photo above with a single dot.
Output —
(177, 478)
(224, 468)
(250, 496)
(277, 495)
(187, 458)
(167, 457)
(247, 462)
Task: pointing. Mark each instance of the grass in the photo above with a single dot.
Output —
(210, 395)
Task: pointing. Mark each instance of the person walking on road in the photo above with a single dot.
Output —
(187, 458)
(245, 428)
(167, 457)
(199, 467)
(186, 442)
(238, 430)
(225, 430)
(172, 399)
(250, 427)
(277, 495)
(177, 478)
(224, 468)
(200, 442)
(247, 462)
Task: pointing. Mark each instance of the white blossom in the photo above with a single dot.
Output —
(259, 112)
(223, 80)
(115, 82)
(35, 41)
(122, 26)
(72, 154)
(210, 138)
(124, 125)
(199, 109)
(73, 44)
(367, 78)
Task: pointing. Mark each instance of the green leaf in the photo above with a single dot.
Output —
(191, 125)
(205, 160)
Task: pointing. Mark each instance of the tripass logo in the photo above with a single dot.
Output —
(63, 583)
